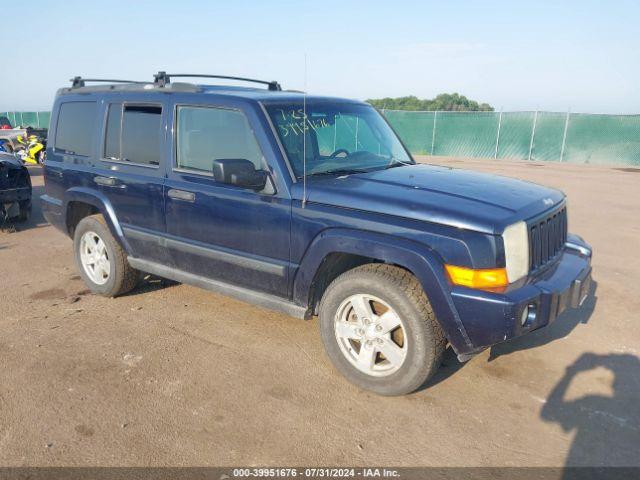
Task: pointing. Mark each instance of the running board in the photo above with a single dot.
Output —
(260, 299)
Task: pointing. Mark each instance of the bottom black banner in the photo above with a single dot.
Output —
(392, 473)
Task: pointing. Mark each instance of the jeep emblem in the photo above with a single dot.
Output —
(547, 201)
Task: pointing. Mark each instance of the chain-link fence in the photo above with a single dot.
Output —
(545, 136)
(28, 119)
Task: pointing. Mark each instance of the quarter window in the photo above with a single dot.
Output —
(206, 134)
(76, 127)
(134, 134)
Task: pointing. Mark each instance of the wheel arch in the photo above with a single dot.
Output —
(337, 250)
(80, 202)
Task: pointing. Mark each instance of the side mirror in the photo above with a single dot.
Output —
(239, 172)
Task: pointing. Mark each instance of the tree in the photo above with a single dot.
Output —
(444, 101)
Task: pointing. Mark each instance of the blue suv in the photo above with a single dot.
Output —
(311, 206)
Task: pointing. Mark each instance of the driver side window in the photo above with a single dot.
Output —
(206, 134)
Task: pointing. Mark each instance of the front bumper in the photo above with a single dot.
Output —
(490, 318)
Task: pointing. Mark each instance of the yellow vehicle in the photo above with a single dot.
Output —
(33, 151)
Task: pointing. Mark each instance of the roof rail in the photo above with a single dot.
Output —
(161, 79)
(77, 82)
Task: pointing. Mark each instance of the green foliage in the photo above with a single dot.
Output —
(443, 102)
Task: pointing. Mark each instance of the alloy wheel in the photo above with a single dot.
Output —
(94, 258)
(371, 335)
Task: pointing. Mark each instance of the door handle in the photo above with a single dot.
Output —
(108, 182)
(182, 195)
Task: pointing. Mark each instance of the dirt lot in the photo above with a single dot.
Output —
(174, 375)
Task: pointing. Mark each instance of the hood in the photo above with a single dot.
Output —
(10, 160)
(443, 195)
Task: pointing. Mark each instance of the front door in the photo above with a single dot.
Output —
(217, 230)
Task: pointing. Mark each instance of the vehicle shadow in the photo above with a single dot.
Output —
(450, 365)
(560, 328)
(150, 283)
(607, 427)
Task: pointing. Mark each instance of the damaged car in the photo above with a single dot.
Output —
(15, 190)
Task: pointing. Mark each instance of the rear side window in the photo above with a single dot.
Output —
(134, 133)
(76, 127)
(206, 134)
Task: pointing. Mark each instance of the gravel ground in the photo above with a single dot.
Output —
(174, 375)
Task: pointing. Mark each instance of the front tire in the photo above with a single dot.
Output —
(101, 260)
(379, 330)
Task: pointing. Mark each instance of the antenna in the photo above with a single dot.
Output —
(304, 136)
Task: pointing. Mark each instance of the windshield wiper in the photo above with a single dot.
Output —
(397, 163)
(339, 171)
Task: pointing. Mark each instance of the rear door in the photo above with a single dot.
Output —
(132, 171)
(217, 230)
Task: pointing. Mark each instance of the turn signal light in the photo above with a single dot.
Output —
(484, 278)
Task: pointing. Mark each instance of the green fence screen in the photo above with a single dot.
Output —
(28, 119)
(542, 136)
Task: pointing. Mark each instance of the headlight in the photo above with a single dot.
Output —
(516, 250)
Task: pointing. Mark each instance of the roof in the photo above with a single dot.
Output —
(256, 94)
(269, 95)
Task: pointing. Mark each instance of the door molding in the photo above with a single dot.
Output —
(227, 255)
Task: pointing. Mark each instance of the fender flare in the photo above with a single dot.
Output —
(423, 262)
(104, 206)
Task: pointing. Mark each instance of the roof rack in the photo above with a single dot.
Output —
(77, 82)
(161, 79)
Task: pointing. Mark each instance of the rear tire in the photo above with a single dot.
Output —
(101, 260)
(399, 321)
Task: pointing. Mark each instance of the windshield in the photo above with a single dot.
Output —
(340, 138)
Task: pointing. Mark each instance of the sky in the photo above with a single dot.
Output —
(515, 55)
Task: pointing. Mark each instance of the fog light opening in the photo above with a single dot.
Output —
(528, 315)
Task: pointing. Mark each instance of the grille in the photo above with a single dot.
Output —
(547, 235)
